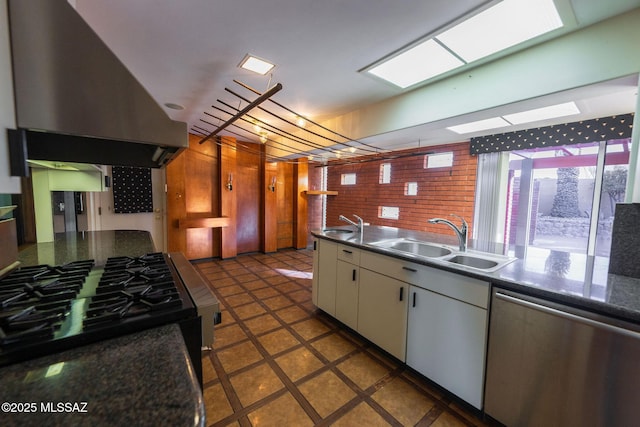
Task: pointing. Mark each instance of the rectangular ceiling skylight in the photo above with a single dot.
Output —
(503, 25)
(255, 64)
(506, 24)
(426, 60)
(492, 123)
(550, 112)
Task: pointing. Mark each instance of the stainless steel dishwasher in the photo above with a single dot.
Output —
(552, 365)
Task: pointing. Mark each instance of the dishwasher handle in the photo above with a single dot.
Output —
(568, 316)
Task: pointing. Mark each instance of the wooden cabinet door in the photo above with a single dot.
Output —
(382, 311)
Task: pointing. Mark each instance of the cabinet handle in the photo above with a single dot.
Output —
(413, 270)
(314, 245)
(401, 293)
(353, 276)
(346, 251)
(414, 300)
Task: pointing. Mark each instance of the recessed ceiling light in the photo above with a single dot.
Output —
(494, 122)
(255, 64)
(174, 106)
(550, 112)
(426, 60)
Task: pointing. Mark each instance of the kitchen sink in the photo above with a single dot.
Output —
(337, 230)
(488, 262)
(415, 247)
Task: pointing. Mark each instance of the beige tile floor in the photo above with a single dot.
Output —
(279, 361)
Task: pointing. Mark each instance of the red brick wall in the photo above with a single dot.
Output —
(441, 191)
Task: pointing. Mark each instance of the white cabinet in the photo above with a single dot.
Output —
(382, 311)
(446, 337)
(347, 294)
(324, 275)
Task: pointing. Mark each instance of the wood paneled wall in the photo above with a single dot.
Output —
(248, 216)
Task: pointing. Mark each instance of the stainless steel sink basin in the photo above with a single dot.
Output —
(485, 262)
(415, 247)
(475, 262)
(337, 230)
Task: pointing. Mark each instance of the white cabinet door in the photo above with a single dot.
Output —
(446, 342)
(347, 294)
(327, 254)
(382, 311)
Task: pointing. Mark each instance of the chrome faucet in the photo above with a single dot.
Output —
(460, 232)
(359, 226)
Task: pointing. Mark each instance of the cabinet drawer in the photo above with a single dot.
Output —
(453, 285)
(393, 267)
(349, 254)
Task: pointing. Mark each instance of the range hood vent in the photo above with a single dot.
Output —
(75, 100)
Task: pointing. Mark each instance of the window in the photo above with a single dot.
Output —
(348, 179)
(410, 188)
(385, 173)
(438, 160)
(388, 212)
(559, 199)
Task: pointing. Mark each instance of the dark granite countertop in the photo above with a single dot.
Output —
(141, 379)
(96, 245)
(574, 279)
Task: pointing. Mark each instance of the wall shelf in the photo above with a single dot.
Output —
(319, 192)
(203, 222)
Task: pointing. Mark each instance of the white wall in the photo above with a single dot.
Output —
(102, 216)
(8, 184)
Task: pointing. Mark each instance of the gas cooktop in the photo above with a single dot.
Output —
(45, 309)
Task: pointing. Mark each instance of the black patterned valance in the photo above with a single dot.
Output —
(603, 129)
(132, 191)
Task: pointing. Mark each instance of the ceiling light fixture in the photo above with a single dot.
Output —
(506, 24)
(255, 64)
(544, 113)
(174, 106)
(263, 137)
(492, 123)
(301, 121)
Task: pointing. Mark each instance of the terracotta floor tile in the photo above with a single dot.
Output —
(291, 314)
(363, 370)
(299, 363)
(228, 335)
(230, 290)
(361, 415)
(284, 411)
(208, 371)
(277, 302)
(238, 356)
(326, 393)
(239, 299)
(216, 404)
(261, 324)
(248, 277)
(333, 347)
(403, 401)
(274, 280)
(447, 419)
(300, 296)
(278, 341)
(288, 287)
(255, 284)
(310, 328)
(249, 310)
(265, 293)
(256, 384)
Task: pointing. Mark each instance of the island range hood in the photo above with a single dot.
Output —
(75, 100)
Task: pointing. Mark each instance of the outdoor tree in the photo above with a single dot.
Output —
(614, 183)
(565, 202)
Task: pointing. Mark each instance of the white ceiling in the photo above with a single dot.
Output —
(187, 52)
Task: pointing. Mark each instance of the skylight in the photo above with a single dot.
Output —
(492, 123)
(550, 112)
(506, 24)
(255, 64)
